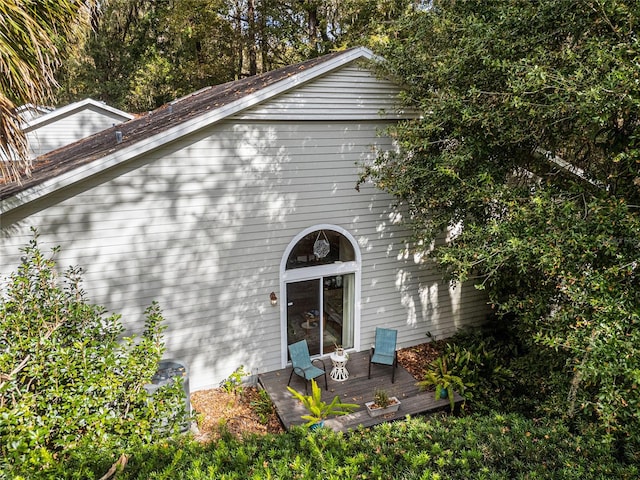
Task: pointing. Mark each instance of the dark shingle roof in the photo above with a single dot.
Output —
(174, 113)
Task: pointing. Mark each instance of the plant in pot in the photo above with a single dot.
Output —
(339, 350)
(318, 409)
(445, 382)
(382, 404)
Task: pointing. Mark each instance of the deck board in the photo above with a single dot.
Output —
(356, 389)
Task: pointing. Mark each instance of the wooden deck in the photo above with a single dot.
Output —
(356, 389)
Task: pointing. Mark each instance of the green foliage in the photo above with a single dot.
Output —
(233, 383)
(381, 398)
(140, 54)
(68, 382)
(475, 447)
(263, 406)
(317, 408)
(483, 363)
(30, 36)
(525, 156)
(446, 381)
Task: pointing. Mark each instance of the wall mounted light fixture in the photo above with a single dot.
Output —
(273, 298)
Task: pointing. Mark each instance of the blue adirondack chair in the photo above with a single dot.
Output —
(384, 351)
(303, 365)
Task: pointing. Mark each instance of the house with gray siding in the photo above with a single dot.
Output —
(236, 209)
(49, 130)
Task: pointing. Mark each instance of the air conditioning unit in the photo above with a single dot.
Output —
(168, 371)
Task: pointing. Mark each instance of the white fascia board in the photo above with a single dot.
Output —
(27, 107)
(568, 167)
(71, 108)
(186, 128)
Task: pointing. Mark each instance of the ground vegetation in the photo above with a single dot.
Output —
(496, 436)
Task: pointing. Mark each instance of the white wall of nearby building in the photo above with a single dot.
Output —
(69, 124)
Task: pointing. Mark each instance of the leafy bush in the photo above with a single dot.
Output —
(318, 410)
(515, 376)
(263, 406)
(476, 365)
(68, 382)
(445, 381)
(535, 153)
(474, 447)
(233, 383)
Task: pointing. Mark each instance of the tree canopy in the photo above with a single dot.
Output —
(141, 54)
(526, 152)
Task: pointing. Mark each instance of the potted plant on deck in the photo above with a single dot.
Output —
(445, 382)
(382, 404)
(318, 409)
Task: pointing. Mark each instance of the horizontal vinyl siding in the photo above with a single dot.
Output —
(349, 93)
(201, 227)
(68, 129)
(412, 296)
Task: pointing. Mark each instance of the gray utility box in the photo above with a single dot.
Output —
(167, 371)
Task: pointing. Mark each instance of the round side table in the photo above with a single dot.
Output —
(339, 372)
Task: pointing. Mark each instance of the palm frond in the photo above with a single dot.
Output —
(29, 35)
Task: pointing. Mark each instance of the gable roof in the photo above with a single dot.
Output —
(29, 111)
(79, 160)
(88, 103)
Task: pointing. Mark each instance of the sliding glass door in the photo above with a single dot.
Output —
(303, 314)
(330, 298)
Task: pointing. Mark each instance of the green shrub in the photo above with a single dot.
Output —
(476, 365)
(474, 447)
(445, 381)
(513, 374)
(69, 384)
(233, 383)
(483, 363)
(317, 409)
(262, 406)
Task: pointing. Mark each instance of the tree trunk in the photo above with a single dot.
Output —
(238, 40)
(251, 37)
(313, 27)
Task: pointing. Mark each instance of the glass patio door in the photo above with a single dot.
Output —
(303, 314)
(330, 298)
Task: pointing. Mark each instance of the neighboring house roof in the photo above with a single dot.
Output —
(53, 115)
(66, 125)
(567, 167)
(29, 111)
(72, 163)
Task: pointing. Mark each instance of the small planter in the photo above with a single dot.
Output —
(317, 425)
(376, 411)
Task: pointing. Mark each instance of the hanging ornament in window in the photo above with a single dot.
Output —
(321, 246)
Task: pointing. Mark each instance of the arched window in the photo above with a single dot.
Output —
(309, 250)
(320, 272)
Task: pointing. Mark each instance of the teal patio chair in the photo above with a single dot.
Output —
(303, 365)
(384, 351)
